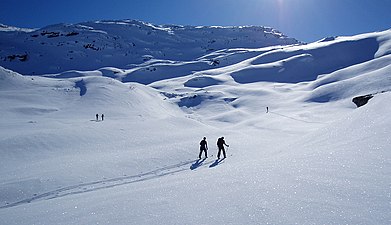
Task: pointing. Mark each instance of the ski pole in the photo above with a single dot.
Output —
(227, 150)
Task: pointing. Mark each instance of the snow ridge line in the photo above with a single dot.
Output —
(105, 184)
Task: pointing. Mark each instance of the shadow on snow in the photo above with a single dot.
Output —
(216, 163)
(197, 164)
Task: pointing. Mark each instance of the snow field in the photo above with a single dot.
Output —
(313, 159)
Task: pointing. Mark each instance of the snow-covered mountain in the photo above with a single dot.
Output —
(313, 158)
(92, 45)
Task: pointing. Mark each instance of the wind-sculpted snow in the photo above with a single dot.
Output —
(298, 64)
(367, 78)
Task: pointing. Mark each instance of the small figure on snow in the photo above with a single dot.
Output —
(220, 145)
(97, 117)
(103, 116)
(267, 109)
(203, 148)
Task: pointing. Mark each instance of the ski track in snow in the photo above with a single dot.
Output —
(114, 182)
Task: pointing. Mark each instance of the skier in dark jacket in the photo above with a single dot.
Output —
(220, 145)
(203, 147)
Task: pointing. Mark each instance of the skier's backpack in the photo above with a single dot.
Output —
(220, 142)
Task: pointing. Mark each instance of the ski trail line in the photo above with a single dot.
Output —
(105, 184)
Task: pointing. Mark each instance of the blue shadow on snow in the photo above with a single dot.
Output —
(217, 162)
(197, 164)
(82, 85)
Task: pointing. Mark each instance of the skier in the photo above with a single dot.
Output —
(267, 109)
(203, 147)
(103, 116)
(97, 117)
(220, 145)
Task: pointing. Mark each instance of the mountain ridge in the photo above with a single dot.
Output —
(121, 43)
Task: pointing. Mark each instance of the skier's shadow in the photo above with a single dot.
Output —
(197, 164)
(217, 162)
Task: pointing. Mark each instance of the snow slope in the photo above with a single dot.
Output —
(92, 45)
(314, 158)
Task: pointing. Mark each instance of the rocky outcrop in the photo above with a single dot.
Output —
(362, 100)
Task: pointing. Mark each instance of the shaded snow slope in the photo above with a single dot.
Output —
(305, 63)
(283, 64)
(367, 78)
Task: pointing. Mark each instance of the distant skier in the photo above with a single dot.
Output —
(220, 145)
(203, 148)
(97, 117)
(103, 116)
(267, 109)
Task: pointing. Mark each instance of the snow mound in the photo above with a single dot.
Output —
(201, 82)
(88, 93)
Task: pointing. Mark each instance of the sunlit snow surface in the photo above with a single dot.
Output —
(314, 158)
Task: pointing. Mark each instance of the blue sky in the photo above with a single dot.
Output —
(305, 20)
